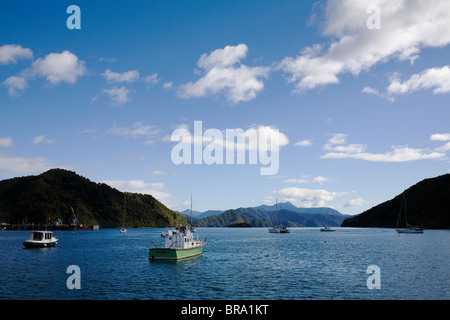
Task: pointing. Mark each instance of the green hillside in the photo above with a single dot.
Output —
(62, 194)
(427, 203)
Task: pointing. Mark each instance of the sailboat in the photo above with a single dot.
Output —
(123, 229)
(281, 228)
(408, 228)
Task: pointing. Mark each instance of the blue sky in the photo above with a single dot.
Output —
(358, 97)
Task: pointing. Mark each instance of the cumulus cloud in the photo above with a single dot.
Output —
(137, 130)
(306, 179)
(338, 148)
(15, 85)
(129, 76)
(118, 96)
(437, 79)
(223, 74)
(441, 137)
(315, 197)
(6, 142)
(23, 166)
(10, 53)
(303, 143)
(156, 189)
(358, 202)
(151, 80)
(407, 27)
(259, 137)
(59, 67)
(41, 139)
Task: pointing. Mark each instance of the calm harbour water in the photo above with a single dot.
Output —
(241, 264)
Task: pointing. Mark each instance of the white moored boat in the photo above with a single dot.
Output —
(408, 228)
(40, 239)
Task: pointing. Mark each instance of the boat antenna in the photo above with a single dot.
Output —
(191, 209)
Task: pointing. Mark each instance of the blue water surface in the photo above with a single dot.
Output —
(237, 263)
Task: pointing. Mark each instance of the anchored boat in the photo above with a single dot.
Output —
(40, 239)
(179, 244)
(408, 228)
(279, 229)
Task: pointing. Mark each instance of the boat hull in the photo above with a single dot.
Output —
(174, 254)
(410, 230)
(38, 244)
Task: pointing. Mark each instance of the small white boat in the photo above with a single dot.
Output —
(40, 239)
(279, 229)
(123, 229)
(408, 228)
(327, 229)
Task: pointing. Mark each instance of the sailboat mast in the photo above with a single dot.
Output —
(191, 209)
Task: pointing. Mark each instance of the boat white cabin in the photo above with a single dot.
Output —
(40, 239)
(182, 237)
(179, 243)
(410, 230)
(327, 229)
(279, 229)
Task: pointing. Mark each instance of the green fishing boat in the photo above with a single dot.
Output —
(179, 244)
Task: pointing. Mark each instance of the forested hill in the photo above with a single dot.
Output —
(427, 203)
(62, 194)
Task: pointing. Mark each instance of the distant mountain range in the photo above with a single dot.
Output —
(427, 203)
(62, 194)
(268, 215)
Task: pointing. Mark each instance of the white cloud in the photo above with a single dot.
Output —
(23, 166)
(15, 85)
(168, 85)
(151, 80)
(255, 138)
(437, 79)
(223, 76)
(440, 137)
(6, 142)
(58, 67)
(136, 131)
(159, 173)
(306, 179)
(358, 202)
(303, 143)
(41, 139)
(10, 53)
(129, 76)
(339, 149)
(118, 96)
(406, 28)
(317, 197)
(155, 189)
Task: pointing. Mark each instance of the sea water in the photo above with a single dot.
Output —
(237, 264)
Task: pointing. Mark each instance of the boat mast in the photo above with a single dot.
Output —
(191, 210)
